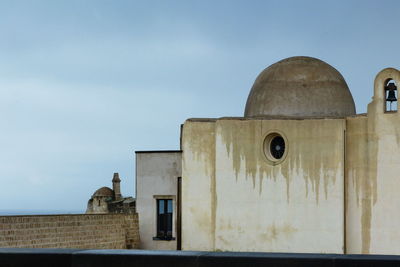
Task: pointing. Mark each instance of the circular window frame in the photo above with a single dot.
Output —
(266, 147)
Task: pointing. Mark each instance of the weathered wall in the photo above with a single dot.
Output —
(373, 171)
(295, 206)
(97, 204)
(105, 231)
(234, 200)
(156, 177)
(358, 189)
(198, 185)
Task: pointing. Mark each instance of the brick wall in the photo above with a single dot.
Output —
(88, 231)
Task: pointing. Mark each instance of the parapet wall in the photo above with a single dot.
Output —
(18, 257)
(82, 231)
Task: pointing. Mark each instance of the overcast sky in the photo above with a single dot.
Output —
(83, 84)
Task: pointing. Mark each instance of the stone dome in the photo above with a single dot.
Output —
(300, 87)
(104, 192)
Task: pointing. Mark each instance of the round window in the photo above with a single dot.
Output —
(275, 148)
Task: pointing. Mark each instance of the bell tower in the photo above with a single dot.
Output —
(116, 186)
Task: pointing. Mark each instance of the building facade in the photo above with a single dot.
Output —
(299, 172)
(107, 200)
(157, 185)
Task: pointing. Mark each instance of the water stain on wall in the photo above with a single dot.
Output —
(199, 137)
(275, 232)
(314, 151)
(364, 136)
(201, 142)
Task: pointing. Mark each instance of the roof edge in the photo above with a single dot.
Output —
(157, 151)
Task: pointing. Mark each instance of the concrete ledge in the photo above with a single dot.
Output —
(12, 257)
(125, 258)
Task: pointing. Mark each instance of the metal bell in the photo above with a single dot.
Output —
(391, 97)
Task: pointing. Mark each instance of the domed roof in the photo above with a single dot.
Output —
(300, 87)
(104, 192)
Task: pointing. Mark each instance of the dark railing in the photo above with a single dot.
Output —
(10, 257)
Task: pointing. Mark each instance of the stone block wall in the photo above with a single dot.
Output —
(83, 231)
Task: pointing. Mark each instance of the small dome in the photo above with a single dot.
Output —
(104, 192)
(300, 87)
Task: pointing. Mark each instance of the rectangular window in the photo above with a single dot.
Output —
(164, 218)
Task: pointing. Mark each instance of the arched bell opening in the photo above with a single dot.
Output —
(391, 96)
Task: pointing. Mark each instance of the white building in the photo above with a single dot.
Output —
(300, 172)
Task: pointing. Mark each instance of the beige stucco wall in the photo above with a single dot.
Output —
(198, 185)
(234, 200)
(156, 177)
(357, 186)
(373, 170)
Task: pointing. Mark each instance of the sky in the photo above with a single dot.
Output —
(84, 84)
